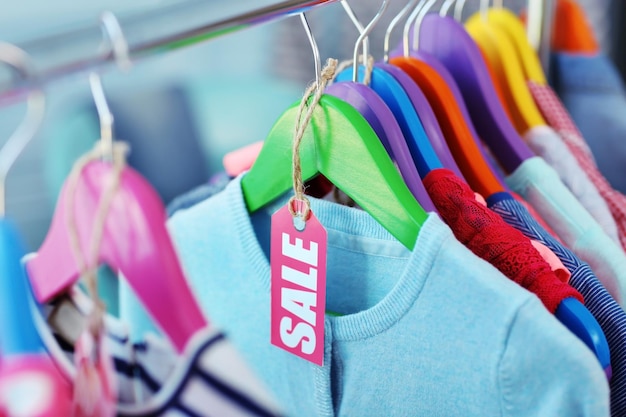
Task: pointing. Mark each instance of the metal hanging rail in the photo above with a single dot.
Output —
(150, 33)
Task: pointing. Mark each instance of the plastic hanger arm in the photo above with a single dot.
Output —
(449, 42)
(458, 135)
(513, 28)
(342, 146)
(503, 59)
(135, 242)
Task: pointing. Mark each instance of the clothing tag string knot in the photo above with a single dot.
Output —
(299, 205)
(94, 387)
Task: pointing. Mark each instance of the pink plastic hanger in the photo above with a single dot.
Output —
(135, 240)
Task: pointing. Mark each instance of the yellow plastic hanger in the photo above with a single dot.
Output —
(508, 23)
(502, 57)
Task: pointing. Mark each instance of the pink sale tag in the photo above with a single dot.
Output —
(298, 289)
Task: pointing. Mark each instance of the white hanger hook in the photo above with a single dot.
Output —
(314, 47)
(418, 22)
(458, 10)
(114, 36)
(445, 7)
(20, 62)
(397, 19)
(364, 34)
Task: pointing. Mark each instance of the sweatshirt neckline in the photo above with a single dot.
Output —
(394, 305)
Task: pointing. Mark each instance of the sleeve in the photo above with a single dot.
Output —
(546, 371)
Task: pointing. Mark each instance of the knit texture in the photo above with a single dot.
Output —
(546, 143)
(558, 117)
(416, 325)
(608, 313)
(541, 186)
(490, 238)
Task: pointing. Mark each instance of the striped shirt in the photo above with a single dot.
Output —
(598, 301)
(209, 379)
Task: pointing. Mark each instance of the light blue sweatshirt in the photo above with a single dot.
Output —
(433, 332)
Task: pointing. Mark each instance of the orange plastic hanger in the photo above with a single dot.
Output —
(460, 140)
(572, 31)
(504, 61)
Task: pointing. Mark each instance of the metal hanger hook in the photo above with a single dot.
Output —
(406, 45)
(397, 19)
(484, 7)
(363, 36)
(20, 62)
(458, 10)
(314, 48)
(419, 18)
(359, 26)
(445, 7)
(114, 36)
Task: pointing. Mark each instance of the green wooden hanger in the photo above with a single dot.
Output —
(342, 146)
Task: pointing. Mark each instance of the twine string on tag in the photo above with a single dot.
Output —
(299, 205)
(93, 388)
(88, 265)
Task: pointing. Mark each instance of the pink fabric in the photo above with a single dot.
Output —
(560, 120)
(555, 263)
(241, 160)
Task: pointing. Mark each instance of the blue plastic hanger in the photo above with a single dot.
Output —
(412, 130)
(18, 335)
(410, 107)
(382, 120)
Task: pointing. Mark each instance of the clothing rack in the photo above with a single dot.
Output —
(82, 48)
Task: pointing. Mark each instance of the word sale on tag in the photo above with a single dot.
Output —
(298, 285)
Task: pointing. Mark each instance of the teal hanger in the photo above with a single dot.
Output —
(342, 146)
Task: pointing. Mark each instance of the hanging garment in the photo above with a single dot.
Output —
(541, 186)
(593, 93)
(546, 143)
(192, 197)
(491, 239)
(598, 301)
(560, 120)
(389, 296)
(209, 378)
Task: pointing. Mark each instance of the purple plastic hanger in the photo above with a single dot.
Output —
(454, 88)
(447, 40)
(426, 116)
(379, 116)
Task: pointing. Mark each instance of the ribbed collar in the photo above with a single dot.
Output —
(332, 216)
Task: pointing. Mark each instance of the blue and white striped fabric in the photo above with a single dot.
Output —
(598, 301)
(208, 379)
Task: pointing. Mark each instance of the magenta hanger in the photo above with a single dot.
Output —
(135, 242)
(447, 40)
(426, 116)
(382, 121)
